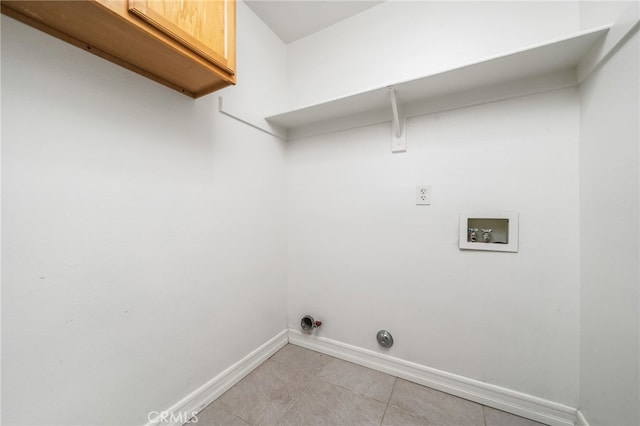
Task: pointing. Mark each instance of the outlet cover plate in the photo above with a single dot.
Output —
(423, 195)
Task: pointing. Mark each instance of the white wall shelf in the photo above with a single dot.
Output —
(539, 68)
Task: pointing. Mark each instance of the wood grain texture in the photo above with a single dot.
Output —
(106, 28)
(196, 24)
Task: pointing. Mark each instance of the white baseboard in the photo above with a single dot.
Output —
(504, 399)
(582, 421)
(193, 403)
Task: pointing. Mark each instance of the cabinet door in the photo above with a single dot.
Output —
(207, 27)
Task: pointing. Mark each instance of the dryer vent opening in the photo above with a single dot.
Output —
(307, 324)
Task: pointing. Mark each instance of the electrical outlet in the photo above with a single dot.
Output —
(423, 195)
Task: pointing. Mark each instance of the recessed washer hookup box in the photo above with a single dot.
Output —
(492, 231)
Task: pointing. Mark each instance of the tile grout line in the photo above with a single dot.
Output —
(395, 380)
(383, 414)
(242, 420)
(317, 377)
(348, 390)
(326, 381)
(389, 400)
(298, 394)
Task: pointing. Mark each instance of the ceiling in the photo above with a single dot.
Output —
(294, 19)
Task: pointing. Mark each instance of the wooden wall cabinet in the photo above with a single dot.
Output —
(187, 45)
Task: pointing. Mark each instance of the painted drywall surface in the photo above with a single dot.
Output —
(143, 233)
(364, 257)
(402, 40)
(609, 199)
(597, 13)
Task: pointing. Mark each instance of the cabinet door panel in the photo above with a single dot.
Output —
(203, 26)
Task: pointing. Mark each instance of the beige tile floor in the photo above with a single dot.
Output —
(299, 387)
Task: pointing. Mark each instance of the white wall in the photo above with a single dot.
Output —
(143, 233)
(596, 13)
(609, 229)
(363, 256)
(401, 40)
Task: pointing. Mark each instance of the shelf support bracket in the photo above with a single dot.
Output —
(398, 125)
